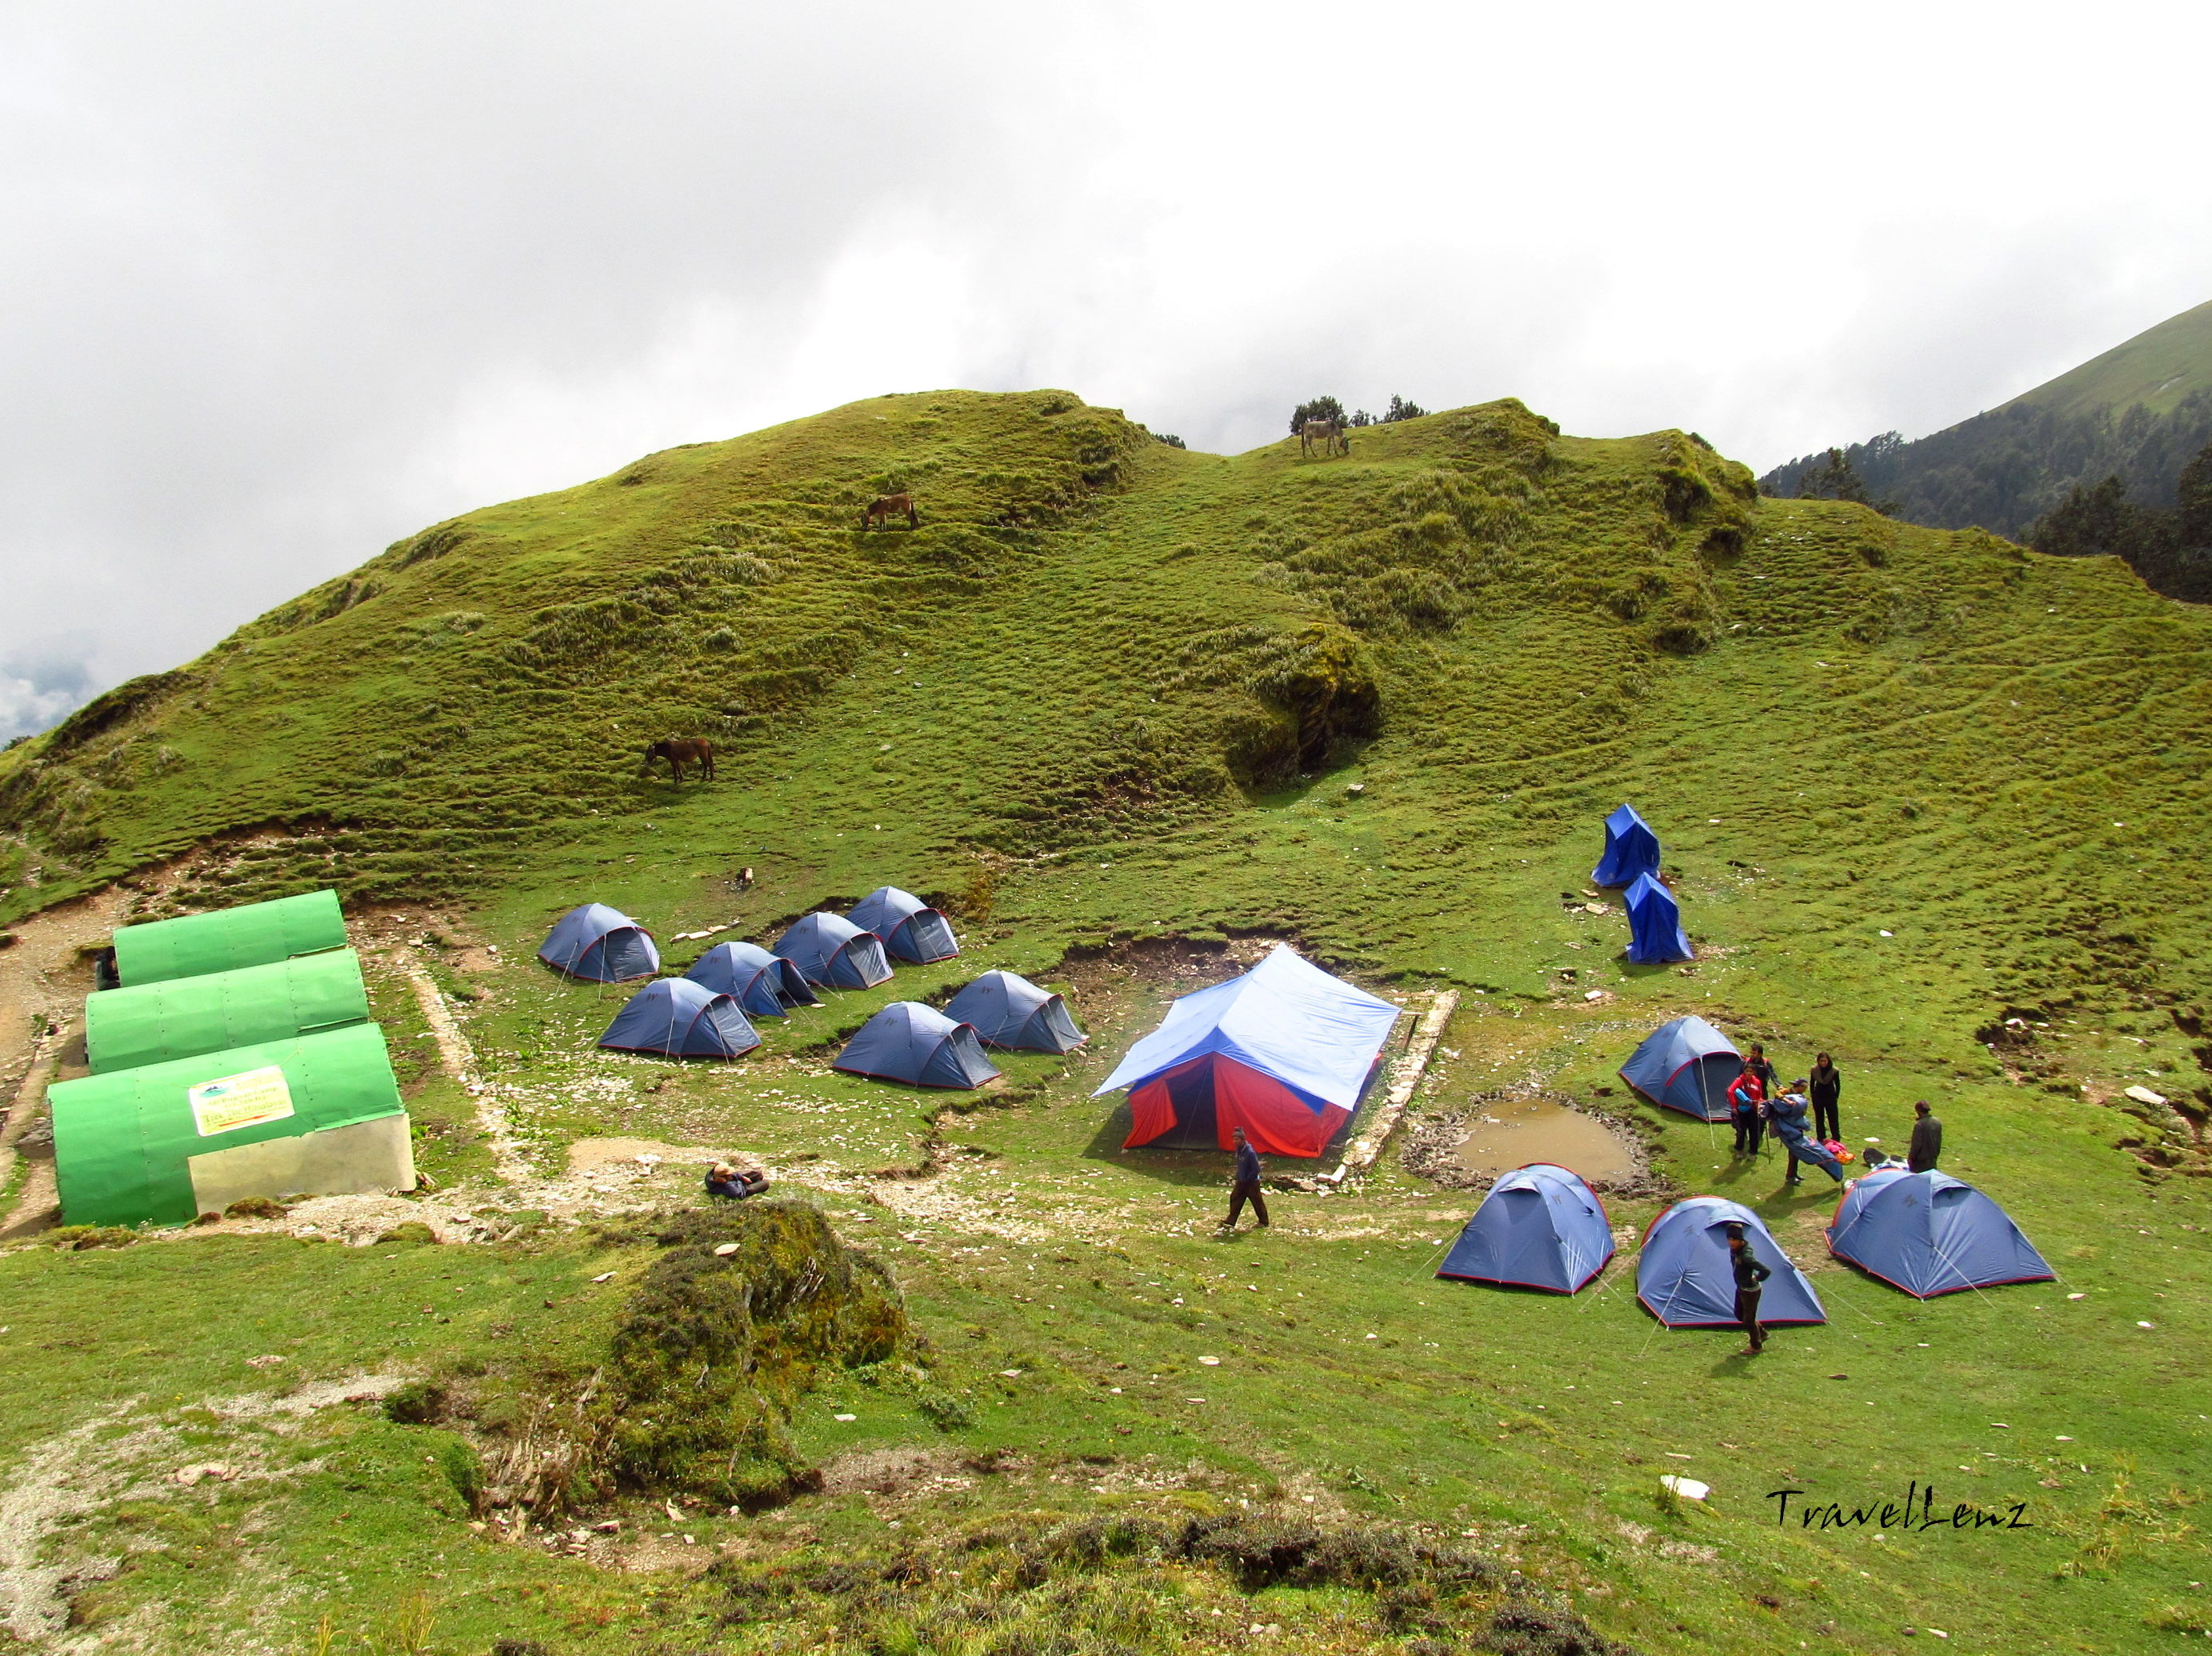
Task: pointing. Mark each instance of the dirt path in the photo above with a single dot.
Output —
(44, 976)
(458, 1060)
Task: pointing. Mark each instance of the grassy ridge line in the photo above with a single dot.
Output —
(2156, 368)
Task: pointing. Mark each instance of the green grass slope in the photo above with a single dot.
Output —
(2156, 369)
(1930, 802)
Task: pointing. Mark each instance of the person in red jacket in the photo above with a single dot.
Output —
(1747, 1096)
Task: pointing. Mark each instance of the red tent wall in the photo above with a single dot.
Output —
(1277, 1120)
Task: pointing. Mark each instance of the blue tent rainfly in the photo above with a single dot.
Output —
(1539, 1227)
(832, 953)
(916, 1044)
(911, 930)
(1284, 1051)
(1655, 924)
(1686, 1066)
(1929, 1233)
(600, 945)
(1683, 1275)
(1631, 850)
(765, 985)
(1009, 1010)
(679, 1018)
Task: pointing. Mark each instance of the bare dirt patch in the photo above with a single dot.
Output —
(1468, 1149)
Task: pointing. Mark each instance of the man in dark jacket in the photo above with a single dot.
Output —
(1245, 1184)
(1750, 1282)
(1927, 1146)
(1759, 1066)
(1824, 1087)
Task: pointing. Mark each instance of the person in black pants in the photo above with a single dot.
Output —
(1824, 1087)
(1245, 1185)
(1750, 1278)
(734, 1184)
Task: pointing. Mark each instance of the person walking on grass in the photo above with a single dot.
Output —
(1824, 1087)
(1750, 1282)
(1926, 1149)
(1747, 1097)
(1244, 1184)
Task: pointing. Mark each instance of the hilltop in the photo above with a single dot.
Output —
(2141, 410)
(1930, 801)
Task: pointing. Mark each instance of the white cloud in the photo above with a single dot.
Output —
(284, 284)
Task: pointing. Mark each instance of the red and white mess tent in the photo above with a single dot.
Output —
(1284, 1051)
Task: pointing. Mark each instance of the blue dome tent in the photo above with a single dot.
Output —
(911, 930)
(1007, 1011)
(765, 985)
(1929, 1233)
(832, 953)
(1685, 1065)
(1539, 1227)
(916, 1044)
(1631, 850)
(1286, 1051)
(600, 945)
(1684, 1279)
(1655, 924)
(679, 1018)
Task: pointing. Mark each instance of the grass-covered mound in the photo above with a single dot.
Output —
(1135, 1584)
(741, 1311)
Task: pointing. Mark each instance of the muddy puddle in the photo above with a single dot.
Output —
(1508, 1134)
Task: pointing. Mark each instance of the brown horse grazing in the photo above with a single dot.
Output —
(884, 507)
(680, 751)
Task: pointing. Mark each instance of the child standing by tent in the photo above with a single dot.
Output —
(1244, 1186)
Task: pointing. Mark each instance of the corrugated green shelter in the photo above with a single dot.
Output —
(255, 934)
(184, 1017)
(318, 1114)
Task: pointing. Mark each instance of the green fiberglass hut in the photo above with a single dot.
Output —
(317, 1114)
(184, 1017)
(255, 934)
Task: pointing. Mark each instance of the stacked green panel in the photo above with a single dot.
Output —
(183, 1017)
(124, 1141)
(227, 939)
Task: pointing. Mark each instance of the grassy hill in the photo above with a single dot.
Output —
(1930, 801)
(2158, 370)
(2140, 411)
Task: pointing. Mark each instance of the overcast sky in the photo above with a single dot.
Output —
(282, 283)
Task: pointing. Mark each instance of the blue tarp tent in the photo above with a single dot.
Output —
(1683, 1277)
(1655, 924)
(1284, 1051)
(1007, 1011)
(832, 953)
(679, 1018)
(763, 984)
(600, 945)
(1631, 850)
(1685, 1065)
(910, 928)
(916, 1044)
(1929, 1233)
(1539, 1227)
